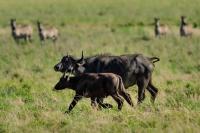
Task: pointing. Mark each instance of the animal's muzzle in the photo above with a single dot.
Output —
(58, 67)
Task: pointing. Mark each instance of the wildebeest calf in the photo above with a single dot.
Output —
(95, 86)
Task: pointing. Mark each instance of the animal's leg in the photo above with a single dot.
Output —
(17, 40)
(73, 103)
(104, 105)
(127, 97)
(26, 39)
(42, 41)
(93, 102)
(119, 100)
(54, 40)
(30, 39)
(142, 84)
(153, 91)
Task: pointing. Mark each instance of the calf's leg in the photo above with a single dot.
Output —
(104, 105)
(119, 100)
(127, 97)
(74, 102)
(123, 92)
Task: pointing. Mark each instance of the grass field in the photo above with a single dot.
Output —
(27, 102)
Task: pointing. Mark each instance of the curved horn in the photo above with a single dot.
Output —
(82, 55)
(81, 59)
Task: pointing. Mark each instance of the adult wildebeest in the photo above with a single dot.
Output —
(95, 86)
(133, 68)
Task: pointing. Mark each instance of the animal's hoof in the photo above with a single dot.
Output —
(67, 112)
(153, 100)
(119, 108)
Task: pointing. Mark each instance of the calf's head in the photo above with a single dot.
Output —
(62, 83)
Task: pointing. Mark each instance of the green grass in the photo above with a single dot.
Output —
(28, 103)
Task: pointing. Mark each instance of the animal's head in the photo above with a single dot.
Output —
(38, 23)
(183, 17)
(69, 64)
(62, 83)
(13, 23)
(156, 20)
(183, 21)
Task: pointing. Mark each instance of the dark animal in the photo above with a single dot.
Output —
(95, 86)
(21, 31)
(133, 68)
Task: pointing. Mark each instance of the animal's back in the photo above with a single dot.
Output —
(97, 84)
(127, 66)
(24, 29)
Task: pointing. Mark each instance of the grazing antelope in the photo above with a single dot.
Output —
(47, 32)
(185, 29)
(21, 31)
(160, 29)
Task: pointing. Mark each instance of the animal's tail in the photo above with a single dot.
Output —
(154, 59)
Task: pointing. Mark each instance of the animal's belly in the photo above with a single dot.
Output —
(129, 81)
(94, 93)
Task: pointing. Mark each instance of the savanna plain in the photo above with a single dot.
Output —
(27, 102)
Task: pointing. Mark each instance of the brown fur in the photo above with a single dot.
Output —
(21, 31)
(185, 29)
(95, 86)
(160, 29)
(47, 32)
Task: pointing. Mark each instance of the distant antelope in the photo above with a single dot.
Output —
(21, 31)
(47, 32)
(160, 29)
(185, 29)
